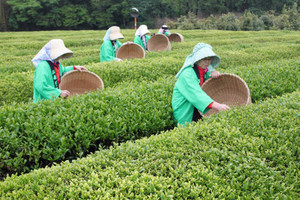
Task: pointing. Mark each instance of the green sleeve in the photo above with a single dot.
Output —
(43, 82)
(188, 85)
(107, 52)
(64, 70)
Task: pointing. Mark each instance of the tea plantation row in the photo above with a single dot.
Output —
(18, 87)
(19, 48)
(136, 102)
(235, 49)
(246, 153)
(35, 135)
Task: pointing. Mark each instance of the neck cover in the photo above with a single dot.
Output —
(107, 34)
(43, 54)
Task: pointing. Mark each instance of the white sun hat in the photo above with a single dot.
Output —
(115, 33)
(58, 49)
(51, 51)
(142, 30)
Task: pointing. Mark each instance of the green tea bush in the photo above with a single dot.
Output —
(36, 135)
(262, 80)
(245, 153)
(20, 89)
(270, 79)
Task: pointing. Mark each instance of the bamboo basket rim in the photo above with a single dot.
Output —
(84, 75)
(176, 35)
(154, 37)
(234, 90)
(127, 45)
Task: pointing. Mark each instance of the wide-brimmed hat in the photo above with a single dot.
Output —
(115, 33)
(142, 30)
(201, 51)
(58, 49)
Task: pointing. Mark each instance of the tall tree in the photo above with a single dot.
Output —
(4, 14)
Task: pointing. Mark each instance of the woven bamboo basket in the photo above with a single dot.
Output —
(130, 50)
(175, 37)
(228, 89)
(159, 42)
(77, 82)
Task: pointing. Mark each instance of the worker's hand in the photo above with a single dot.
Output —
(65, 93)
(79, 68)
(215, 74)
(219, 107)
(118, 59)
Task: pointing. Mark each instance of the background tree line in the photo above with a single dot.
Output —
(289, 19)
(27, 15)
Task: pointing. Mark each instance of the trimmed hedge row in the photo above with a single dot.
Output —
(36, 135)
(235, 49)
(264, 75)
(18, 87)
(19, 48)
(25, 145)
(245, 153)
(270, 79)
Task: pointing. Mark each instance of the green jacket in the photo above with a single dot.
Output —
(43, 84)
(107, 51)
(139, 41)
(188, 94)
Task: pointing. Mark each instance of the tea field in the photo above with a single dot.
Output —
(122, 143)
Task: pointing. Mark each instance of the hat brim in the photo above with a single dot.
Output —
(207, 52)
(66, 55)
(145, 32)
(116, 36)
(63, 53)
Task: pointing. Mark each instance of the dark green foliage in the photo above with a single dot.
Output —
(290, 19)
(228, 22)
(99, 14)
(249, 21)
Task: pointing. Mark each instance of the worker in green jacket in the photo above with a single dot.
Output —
(188, 97)
(49, 71)
(111, 44)
(142, 37)
(164, 30)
